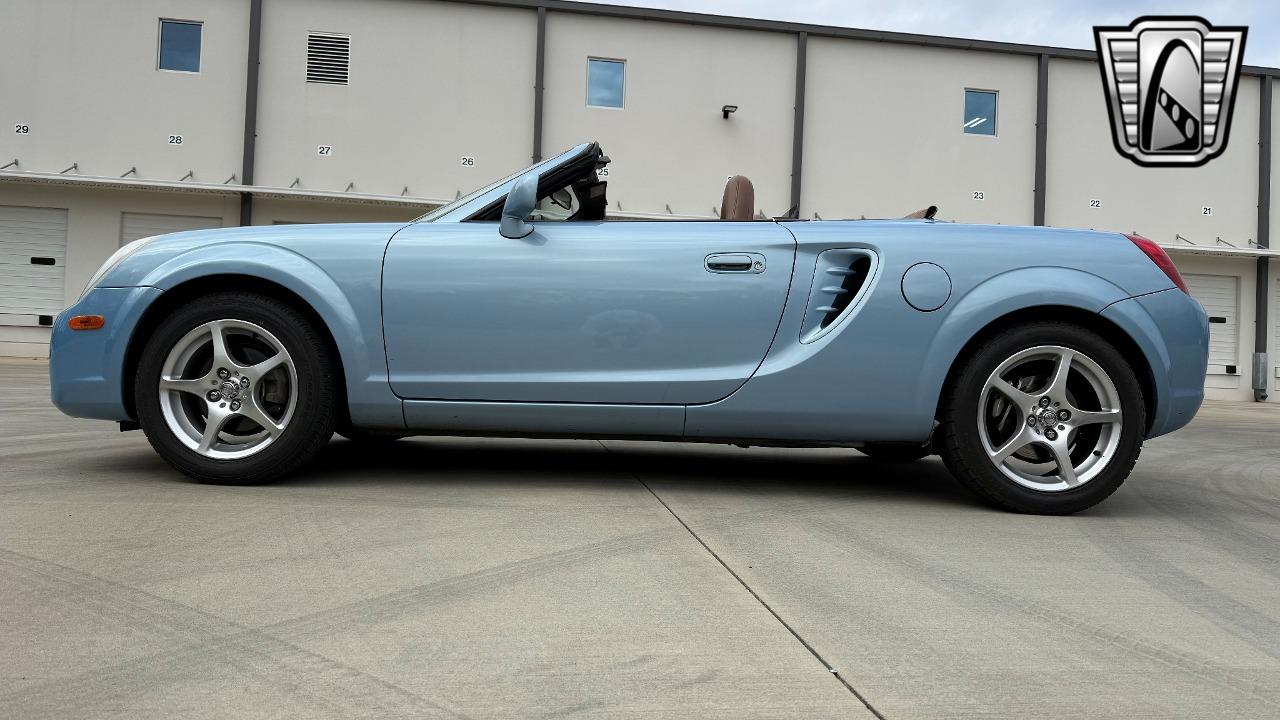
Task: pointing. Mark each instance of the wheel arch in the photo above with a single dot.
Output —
(1089, 320)
(196, 287)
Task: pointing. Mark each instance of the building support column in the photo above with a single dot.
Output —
(1262, 324)
(539, 70)
(1042, 139)
(250, 110)
(797, 126)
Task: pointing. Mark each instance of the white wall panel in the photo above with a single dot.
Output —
(1160, 203)
(670, 144)
(1275, 166)
(274, 211)
(81, 74)
(884, 133)
(429, 82)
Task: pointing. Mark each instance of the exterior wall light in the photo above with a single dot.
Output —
(728, 109)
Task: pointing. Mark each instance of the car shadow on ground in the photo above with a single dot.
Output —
(837, 475)
(842, 474)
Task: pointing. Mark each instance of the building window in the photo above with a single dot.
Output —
(980, 112)
(606, 82)
(180, 45)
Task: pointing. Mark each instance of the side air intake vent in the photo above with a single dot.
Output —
(328, 58)
(839, 280)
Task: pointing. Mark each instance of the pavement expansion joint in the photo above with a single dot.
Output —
(807, 646)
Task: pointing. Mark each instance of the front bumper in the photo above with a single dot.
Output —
(86, 366)
(1172, 330)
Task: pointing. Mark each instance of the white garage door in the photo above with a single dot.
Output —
(1220, 296)
(1274, 350)
(139, 225)
(33, 257)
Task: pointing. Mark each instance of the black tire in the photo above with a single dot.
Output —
(961, 446)
(895, 452)
(317, 391)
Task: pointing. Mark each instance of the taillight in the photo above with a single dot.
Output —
(1160, 258)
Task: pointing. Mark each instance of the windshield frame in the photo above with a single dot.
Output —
(468, 204)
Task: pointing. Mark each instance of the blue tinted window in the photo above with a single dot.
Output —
(179, 46)
(979, 112)
(606, 82)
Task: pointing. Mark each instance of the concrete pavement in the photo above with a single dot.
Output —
(514, 578)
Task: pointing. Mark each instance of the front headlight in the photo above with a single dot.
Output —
(116, 258)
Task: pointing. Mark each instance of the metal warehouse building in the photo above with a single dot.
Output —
(125, 119)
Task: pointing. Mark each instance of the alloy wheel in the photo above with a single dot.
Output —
(228, 389)
(1050, 418)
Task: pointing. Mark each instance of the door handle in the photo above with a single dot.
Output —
(735, 263)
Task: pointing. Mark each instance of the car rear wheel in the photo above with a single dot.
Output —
(236, 388)
(1043, 418)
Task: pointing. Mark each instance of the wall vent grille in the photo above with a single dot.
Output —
(328, 58)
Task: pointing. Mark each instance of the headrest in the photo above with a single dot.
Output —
(739, 199)
(925, 214)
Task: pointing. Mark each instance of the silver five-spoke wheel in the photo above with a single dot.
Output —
(228, 389)
(1050, 418)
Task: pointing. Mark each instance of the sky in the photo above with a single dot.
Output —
(1059, 23)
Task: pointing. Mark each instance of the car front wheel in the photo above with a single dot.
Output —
(236, 388)
(1043, 418)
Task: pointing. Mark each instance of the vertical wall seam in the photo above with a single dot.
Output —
(250, 110)
(1264, 162)
(1262, 285)
(1042, 139)
(539, 71)
(797, 128)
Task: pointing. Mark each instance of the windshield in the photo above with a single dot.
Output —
(446, 209)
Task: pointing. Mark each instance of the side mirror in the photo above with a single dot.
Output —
(520, 202)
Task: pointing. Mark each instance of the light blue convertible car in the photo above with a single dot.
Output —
(1035, 361)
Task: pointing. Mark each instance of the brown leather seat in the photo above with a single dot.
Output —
(925, 214)
(739, 199)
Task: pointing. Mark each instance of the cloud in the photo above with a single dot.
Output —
(1059, 23)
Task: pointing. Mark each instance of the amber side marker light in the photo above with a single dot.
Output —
(86, 322)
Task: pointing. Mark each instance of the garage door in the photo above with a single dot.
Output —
(1220, 296)
(139, 225)
(33, 255)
